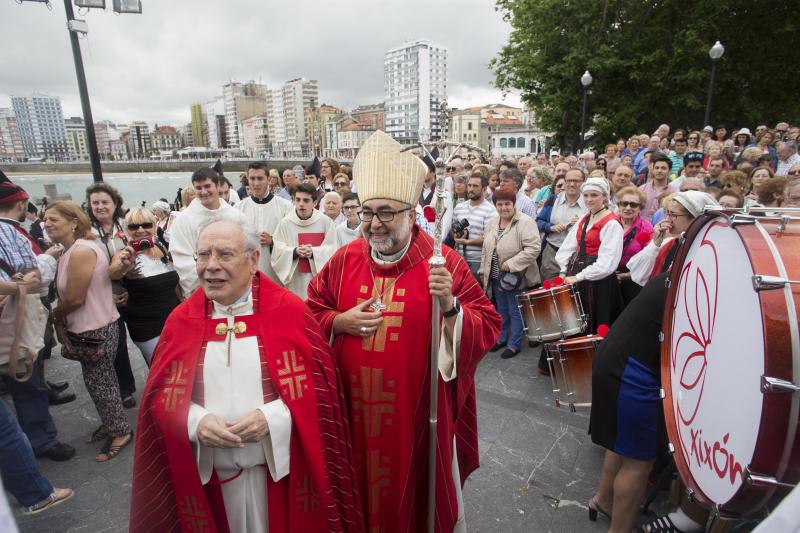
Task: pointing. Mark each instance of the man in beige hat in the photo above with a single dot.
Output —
(374, 300)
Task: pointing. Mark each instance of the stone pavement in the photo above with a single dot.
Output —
(538, 465)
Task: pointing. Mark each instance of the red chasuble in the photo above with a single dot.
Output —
(387, 384)
(318, 494)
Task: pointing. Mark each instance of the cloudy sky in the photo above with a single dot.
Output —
(152, 66)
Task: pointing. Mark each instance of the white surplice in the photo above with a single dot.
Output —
(265, 217)
(284, 242)
(231, 391)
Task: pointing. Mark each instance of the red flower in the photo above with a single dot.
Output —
(546, 284)
(602, 330)
(558, 280)
(644, 237)
(429, 213)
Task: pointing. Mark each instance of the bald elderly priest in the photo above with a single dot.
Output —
(241, 427)
(373, 298)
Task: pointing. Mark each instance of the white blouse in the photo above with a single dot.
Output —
(641, 265)
(608, 255)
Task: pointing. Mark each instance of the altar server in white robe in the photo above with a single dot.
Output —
(264, 210)
(182, 234)
(303, 242)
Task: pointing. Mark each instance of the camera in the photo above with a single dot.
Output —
(459, 227)
(142, 245)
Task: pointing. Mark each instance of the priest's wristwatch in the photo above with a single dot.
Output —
(454, 311)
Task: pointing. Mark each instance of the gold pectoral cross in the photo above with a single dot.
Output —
(223, 329)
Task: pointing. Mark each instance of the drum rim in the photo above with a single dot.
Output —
(748, 497)
(541, 292)
(573, 341)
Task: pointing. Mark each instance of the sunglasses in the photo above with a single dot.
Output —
(793, 173)
(632, 205)
(450, 169)
(143, 225)
(339, 183)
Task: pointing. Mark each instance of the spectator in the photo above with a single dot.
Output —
(508, 266)
(542, 181)
(22, 262)
(524, 164)
(86, 320)
(730, 199)
(274, 180)
(587, 161)
(693, 142)
(559, 214)
(637, 233)
(692, 166)
(714, 170)
(349, 230)
(459, 188)
(545, 193)
(107, 216)
(332, 207)
(772, 193)
(738, 183)
(787, 158)
(721, 134)
(341, 183)
(622, 178)
(611, 151)
(161, 211)
(676, 156)
(792, 194)
(512, 179)
(764, 142)
(591, 253)
(290, 180)
(742, 140)
(477, 211)
(184, 230)
(328, 170)
(20, 472)
(759, 176)
(658, 184)
(633, 147)
(148, 276)
(706, 135)
(226, 191)
(639, 162)
(303, 242)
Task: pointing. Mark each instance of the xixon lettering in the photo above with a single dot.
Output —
(715, 456)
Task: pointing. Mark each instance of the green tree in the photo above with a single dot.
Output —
(649, 62)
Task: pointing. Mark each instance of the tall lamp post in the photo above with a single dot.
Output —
(586, 80)
(715, 53)
(76, 26)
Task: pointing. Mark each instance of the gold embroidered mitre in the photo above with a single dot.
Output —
(381, 170)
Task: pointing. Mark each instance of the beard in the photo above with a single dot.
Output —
(389, 241)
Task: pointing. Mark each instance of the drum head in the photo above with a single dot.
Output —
(713, 360)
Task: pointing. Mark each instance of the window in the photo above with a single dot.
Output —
(469, 125)
(512, 142)
(503, 142)
(520, 142)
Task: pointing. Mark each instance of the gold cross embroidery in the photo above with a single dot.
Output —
(292, 375)
(193, 516)
(175, 385)
(223, 329)
(371, 401)
(379, 476)
(392, 313)
(306, 496)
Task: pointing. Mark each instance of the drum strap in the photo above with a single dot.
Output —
(670, 257)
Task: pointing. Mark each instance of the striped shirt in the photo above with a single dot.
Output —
(494, 270)
(15, 250)
(478, 216)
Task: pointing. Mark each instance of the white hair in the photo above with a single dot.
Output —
(329, 195)
(252, 240)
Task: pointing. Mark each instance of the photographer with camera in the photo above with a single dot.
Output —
(469, 221)
(146, 272)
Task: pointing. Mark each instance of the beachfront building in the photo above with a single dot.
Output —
(199, 129)
(287, 112)
(415, 84)
(76, 139)
(10, 141)
(41, 126)
(242, 101)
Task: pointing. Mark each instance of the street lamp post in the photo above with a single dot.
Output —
(88, 121)
(715, 53)
(586, 81)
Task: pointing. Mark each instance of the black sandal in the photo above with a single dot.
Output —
(110, 450)
(661, 524)
(129, 402)
(99, 434)
(595, 508)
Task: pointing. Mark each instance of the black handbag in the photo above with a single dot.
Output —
(83, 348)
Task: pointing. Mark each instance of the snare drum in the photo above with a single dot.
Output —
(550, 314)
(730, 360)
(571, 370)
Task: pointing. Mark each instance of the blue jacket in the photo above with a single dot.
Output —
(543, 217)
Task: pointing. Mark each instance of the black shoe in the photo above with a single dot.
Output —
(129, 402)
(58, 398)
(57, 386)
(59, 452)
(534, 344)
(497, 347)
(508, 353)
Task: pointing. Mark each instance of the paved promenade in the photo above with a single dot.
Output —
(538, 465)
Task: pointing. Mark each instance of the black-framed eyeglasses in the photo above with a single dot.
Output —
(350, 208)
(143, 225)
(632, 205)
(384, 215)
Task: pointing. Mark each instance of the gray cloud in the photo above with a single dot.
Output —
(152, 66)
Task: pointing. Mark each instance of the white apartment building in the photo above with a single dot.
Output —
(76, 139)
(287, 115)
(41, 126)
(415, 84)
(216, 136)
(255, 136)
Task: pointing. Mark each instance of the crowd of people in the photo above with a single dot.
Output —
(352, 242)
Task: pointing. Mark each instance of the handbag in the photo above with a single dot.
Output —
(84, 348)
(510, 281)
(22, 324)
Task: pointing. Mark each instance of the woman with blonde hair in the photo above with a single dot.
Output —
(146, 272)
(275, 181)
(86, 320)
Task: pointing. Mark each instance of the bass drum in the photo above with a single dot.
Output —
(730, 360)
